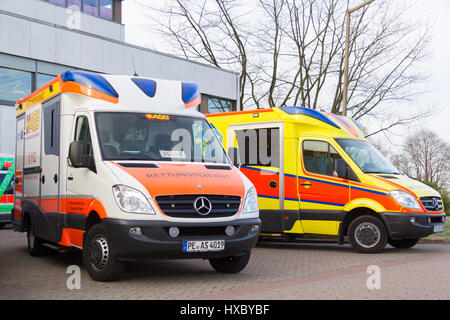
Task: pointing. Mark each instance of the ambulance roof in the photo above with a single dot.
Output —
(318, 121)
(110, 91)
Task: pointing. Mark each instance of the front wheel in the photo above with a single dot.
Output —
(230, 264)
(99, 259)
(367, 234)
(403, 243)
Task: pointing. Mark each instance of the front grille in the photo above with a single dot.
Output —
(182, 206)
(432, 203)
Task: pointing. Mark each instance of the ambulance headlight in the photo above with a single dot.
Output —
(251, 201)
(405, 199)
(131, 200)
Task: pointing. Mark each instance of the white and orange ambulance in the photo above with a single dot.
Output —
(318, 177)
(125, 168)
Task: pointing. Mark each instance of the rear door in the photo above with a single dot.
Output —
(261, 156)
(50, 175)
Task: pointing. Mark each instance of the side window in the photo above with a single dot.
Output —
(83, 134)
(51, 128)
(320, 157)
(259, 147)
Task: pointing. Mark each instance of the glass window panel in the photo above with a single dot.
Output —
(61, 3)
(106, 9)
(43, 79)
(216, 105)
(14, 84)
(90, 7)
(76, 3)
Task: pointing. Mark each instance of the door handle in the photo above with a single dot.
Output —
(55, 178)
(306, 184)
(43, 179)
(70, 178)
(273, 184)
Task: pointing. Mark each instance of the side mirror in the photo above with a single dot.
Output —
(342, 169)
(76, 154)
(234, 155)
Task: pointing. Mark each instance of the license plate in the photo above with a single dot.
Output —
(203, 246)
(438, 227)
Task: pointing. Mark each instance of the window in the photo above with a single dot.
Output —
(9, 188)
(98, 8)
(76, 3)
(259, 147)
(61, 3)
(90, 7)
(320, 157)
(42, 79)
(14, 84)
(216, 105)
(83, 134)
(106, 9)
(157, 137)
(51, 129)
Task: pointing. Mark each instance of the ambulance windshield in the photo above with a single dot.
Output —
(367, 157)
(157, 137)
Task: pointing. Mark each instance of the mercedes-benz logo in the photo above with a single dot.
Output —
(436, 203)
(202, 205)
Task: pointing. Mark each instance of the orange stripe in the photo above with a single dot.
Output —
(239, 112)
(73, 87)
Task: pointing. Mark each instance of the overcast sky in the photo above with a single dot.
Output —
(434, 11)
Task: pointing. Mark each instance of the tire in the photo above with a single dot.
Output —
(232, 264)
(36, 246)
(367, 234)
(403, 243)
(98, 256)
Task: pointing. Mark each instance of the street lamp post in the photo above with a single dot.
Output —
(347, 49)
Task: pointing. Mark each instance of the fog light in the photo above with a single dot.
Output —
(135, 230)
(229, 231)
(174, 232)
(412, 220)
(254, 228)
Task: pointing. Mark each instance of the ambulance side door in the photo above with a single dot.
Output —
(323, 193)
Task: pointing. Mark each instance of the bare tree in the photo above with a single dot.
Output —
(291, 52)
(425, 157)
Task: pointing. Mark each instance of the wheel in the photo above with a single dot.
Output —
(35, 245)
(403, 243)
(99, 259)
(367, 234)
(232, 264)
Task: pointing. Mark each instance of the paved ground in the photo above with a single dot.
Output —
(275, 271)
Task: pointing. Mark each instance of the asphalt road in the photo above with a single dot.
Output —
(275, 271)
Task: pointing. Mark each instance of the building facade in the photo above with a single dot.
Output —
(40, 39)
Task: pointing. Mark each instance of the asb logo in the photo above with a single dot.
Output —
(161, 117)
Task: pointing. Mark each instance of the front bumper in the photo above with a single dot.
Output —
(5, 217)
(155, 241)
(412, 225)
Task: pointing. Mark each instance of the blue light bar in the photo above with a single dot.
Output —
(310, 113)
(146, 85)
(189, 91)
(91, 80)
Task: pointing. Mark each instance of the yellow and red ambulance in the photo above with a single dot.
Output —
(316, 175)
(125, 168)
